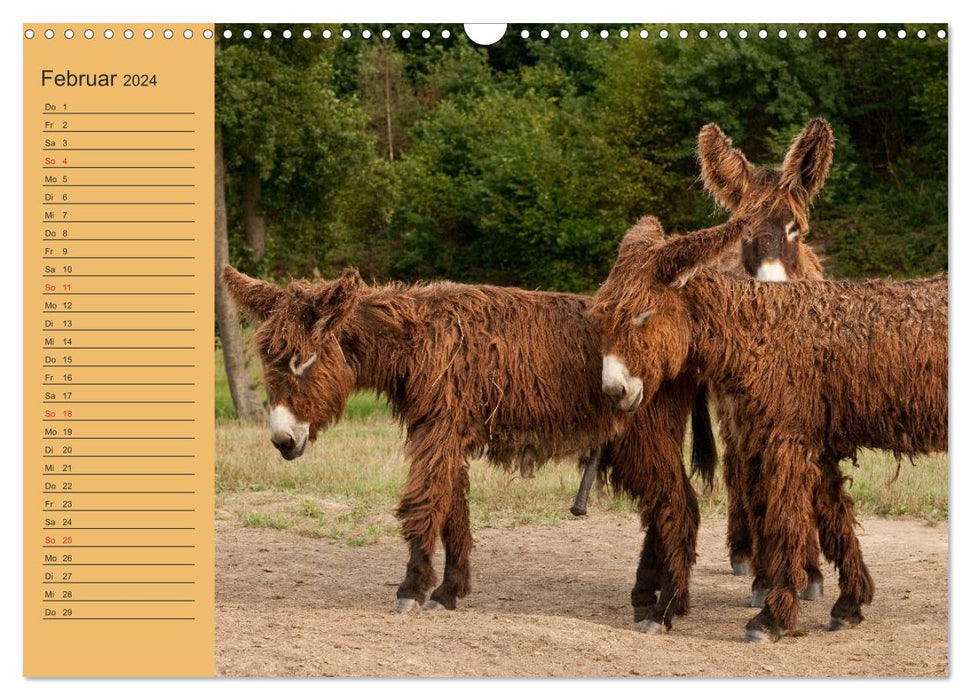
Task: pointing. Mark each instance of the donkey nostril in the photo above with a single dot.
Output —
(615, 391)
(284, 443)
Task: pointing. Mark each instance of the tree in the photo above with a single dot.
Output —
(304, 172)
(241, 387)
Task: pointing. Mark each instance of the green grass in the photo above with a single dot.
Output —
(346, 485)
(224, 400)
(273, 521)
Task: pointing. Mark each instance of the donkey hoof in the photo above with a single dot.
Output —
(650, 627)
(432, 606)
(837, 624)
(578, 511)
(757, 637)
(814, 591)
(404, 605)
(763, 628)
(758, 598)
(741, 568)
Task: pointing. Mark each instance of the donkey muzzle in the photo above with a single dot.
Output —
(290, 446)
(288, 434)
(625, 399)
(624, 391)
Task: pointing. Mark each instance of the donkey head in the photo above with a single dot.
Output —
(299, 339)
(776, 202)
(642, 316)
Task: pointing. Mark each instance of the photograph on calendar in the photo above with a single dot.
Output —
(581, 350)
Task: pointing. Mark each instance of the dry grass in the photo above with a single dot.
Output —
(346, 485)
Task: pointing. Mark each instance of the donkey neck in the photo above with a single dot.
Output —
(720, 307)
(378, 337)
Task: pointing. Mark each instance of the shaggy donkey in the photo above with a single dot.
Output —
(473, 370)
(815, 368)
(776, 205)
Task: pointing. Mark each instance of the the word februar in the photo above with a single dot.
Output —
(71, 79)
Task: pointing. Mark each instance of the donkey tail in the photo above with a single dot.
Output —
(704, 451)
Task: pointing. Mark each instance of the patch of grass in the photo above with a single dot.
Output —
(265, 520)
(346, 486)
(310, 509)
(364, 405)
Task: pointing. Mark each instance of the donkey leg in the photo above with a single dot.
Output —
(834, 512)
(644, 461)
(790, 481)
(648, 579)
(419, 577)
(676, 520)
(436, 458)
(457, 538)
(752, 493)
(589, 464)
(739, 534)
(814, 589)
(760, 581)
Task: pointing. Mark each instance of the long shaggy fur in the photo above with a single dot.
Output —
(817, 370)
(871, 357)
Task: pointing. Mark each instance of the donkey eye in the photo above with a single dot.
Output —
(297, 368)
(641, 318)
(792, 231)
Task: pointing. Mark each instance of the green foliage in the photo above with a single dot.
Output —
(324, 186)
(512, 189)
(524, 162)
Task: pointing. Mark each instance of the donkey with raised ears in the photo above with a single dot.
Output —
(776, 202)
(815, 368)
(470, 371)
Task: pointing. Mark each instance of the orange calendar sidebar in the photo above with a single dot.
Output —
(118, 360)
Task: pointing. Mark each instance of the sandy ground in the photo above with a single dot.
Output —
(553, 601)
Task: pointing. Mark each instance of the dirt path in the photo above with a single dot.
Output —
(553, 601)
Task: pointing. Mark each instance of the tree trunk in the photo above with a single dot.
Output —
(245, 398)
(253, 224)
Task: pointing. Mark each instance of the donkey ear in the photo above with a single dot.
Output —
(255, 297)
(648, 229)
(680, 256)
(807, 161)
(334, 301)
(645, 234)
(725, 170)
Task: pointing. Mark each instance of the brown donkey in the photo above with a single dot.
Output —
(469, 371)
(779, 201)
(816, 369)
(776, 204)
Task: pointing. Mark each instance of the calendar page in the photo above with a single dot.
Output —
(118, 342)
(526, 350)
